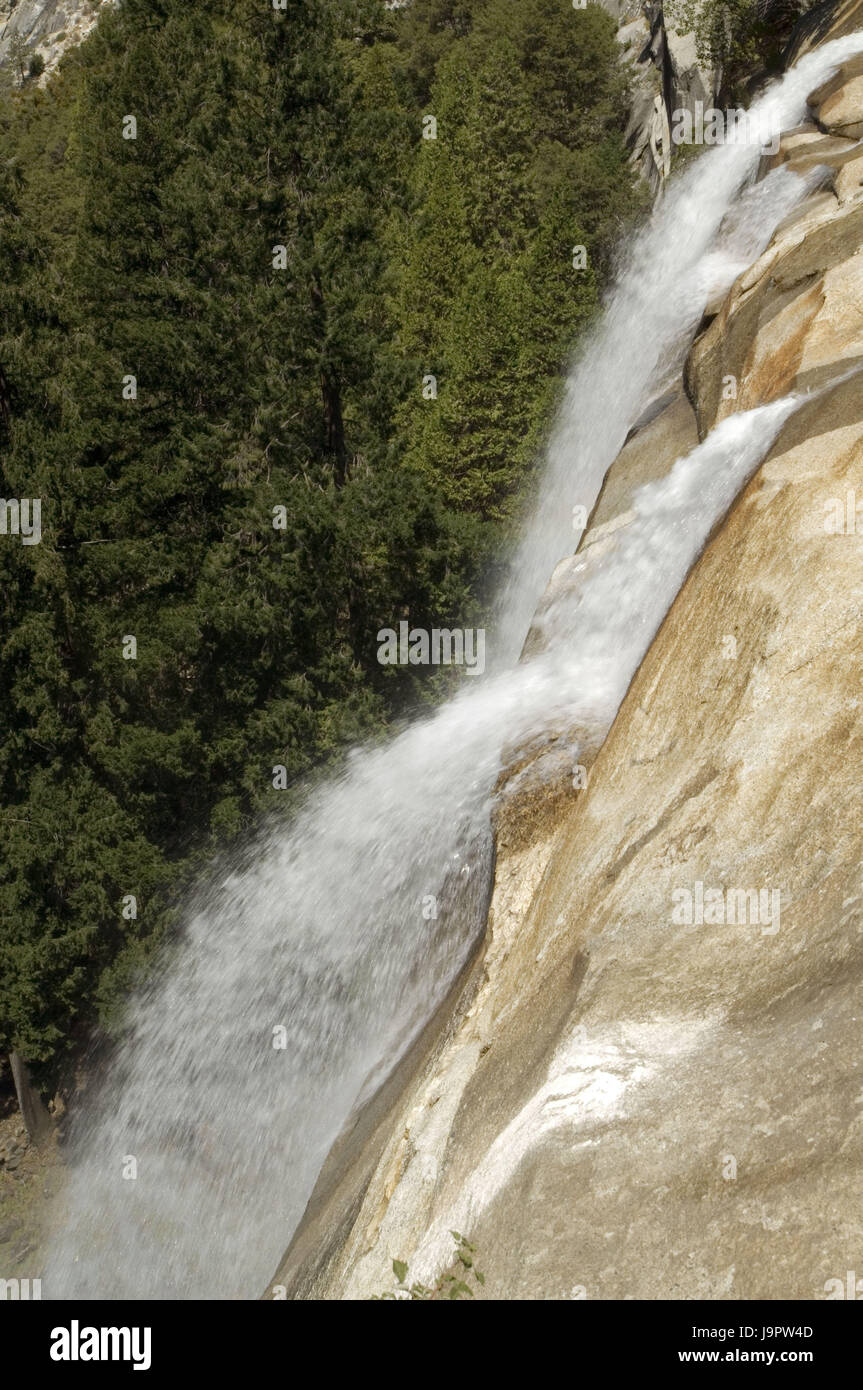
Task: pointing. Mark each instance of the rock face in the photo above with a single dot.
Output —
(665, 76)
(831, 19)
(837, 104)
(797, 313)
(650, 1084)
(46, 27)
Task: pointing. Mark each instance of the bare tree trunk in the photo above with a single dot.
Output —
(334, 429)
(36, 1119)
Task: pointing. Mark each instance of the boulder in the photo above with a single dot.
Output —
(807, 147)
(838, 104)
(794, 314)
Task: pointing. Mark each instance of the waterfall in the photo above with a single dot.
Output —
(340, 937)
(681, 258)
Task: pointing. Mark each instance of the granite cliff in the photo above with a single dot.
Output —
(45, 27)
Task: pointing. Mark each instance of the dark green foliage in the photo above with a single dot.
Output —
(528, 164)
(259, 389)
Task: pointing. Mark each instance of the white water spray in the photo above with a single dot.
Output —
(672, 267)
(325, 935)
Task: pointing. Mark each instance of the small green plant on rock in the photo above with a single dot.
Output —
(454, 1284)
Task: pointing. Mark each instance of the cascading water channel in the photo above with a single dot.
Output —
(324, 937)
(681, 258)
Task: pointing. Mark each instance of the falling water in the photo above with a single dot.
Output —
(680, 259)
(329, 942)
